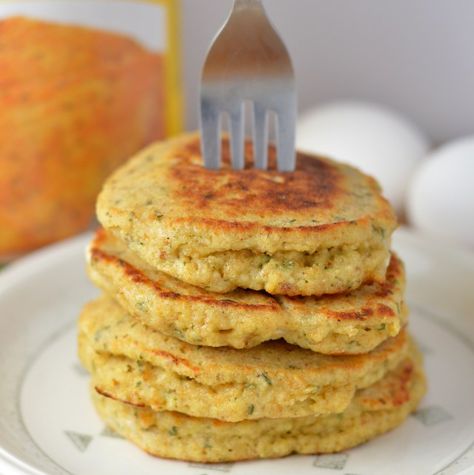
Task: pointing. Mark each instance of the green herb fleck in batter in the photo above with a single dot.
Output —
(379, 230)
(266, 378)
(98, 334)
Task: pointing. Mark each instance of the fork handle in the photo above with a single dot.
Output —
(245, 4)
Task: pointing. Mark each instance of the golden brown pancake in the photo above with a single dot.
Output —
(131, 362)
(354, 322)
(322, 229)
(373, 411)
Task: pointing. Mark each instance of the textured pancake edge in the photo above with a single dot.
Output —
(274, 379)
(173, 435)
(142, 384)
(289, 237)
(245, 319)
(292, 273)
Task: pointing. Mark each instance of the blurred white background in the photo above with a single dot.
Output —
(415, 56)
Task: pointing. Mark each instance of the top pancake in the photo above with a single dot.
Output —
(324, 228)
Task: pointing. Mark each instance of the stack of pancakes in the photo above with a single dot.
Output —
(246, 314)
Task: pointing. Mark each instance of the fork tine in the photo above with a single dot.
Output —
(248, 61)
(260, 137)
(210, 134)
(286, 138)
(236, 117)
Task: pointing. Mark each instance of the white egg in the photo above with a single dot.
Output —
(373, 138)
(441, 195)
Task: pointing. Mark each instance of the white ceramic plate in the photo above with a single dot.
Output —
(47, 424)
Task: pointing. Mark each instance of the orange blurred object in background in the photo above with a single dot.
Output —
(75, 102)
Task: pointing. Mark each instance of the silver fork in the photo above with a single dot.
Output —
(248, 62)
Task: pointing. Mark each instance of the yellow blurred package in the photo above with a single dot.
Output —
(84, 84)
